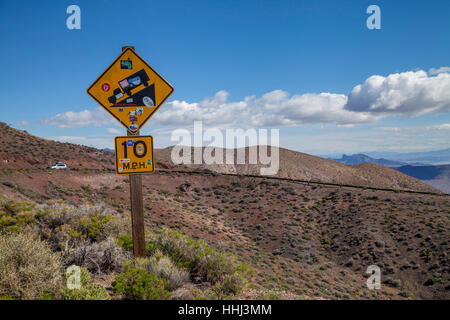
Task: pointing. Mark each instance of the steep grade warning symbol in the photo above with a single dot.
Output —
(130, 90)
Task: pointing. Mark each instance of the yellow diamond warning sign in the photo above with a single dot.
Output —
(134, 154)
(130, 90)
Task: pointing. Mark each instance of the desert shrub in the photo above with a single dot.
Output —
(87, 291)
(136, 283)
(126, 242)
(66, 226)
(229, 284)
(163, 267)
(16, 206)
(202, 262)
(184, 293)
(98, 258)
(14, 215)
(28, 268)
(90, 292)
(83, 234)
(94, 227)
(85, 276)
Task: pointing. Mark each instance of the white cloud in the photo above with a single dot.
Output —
(408, 93)
(87, 118)
(115, 131)
(443, 126)
(346, 126)
(22, 123)
(434, 71)
(406, 139)
(393, 129)
(275, 108)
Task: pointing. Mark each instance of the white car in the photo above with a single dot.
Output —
(58, 165)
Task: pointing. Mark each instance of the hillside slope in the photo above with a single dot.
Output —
(304, 239)
(297, 165)
(21, 150)
(308, 240)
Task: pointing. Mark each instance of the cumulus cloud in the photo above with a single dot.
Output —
(408, 93)
(87, 118)
(434, 71)
(275, 108)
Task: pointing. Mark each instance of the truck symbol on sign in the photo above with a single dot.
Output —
(128, 84)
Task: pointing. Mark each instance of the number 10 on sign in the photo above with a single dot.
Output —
(134, 155)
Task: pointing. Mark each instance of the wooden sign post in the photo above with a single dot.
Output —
(137, 214)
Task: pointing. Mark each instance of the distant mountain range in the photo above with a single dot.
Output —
(437, 176)
(429, 157)
(360, 158)
(412, 158)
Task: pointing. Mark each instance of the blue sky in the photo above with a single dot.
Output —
(283, 54)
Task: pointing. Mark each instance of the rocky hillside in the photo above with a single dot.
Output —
(21, 150)
(303, 240)
(297, 165)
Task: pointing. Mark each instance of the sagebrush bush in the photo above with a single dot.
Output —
(99, 258)
(203, 263)
(183, 293)
(14, 215)
(87, 291)
(63, 225)
(85, 276)
(163, 267)
(126, 242)
(136, 283)
(90, 292)
(66, 226)
(230, 284)
(98, 239)
(28, 268)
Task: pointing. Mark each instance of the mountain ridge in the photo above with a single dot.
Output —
(361, 158)
(21, 150)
